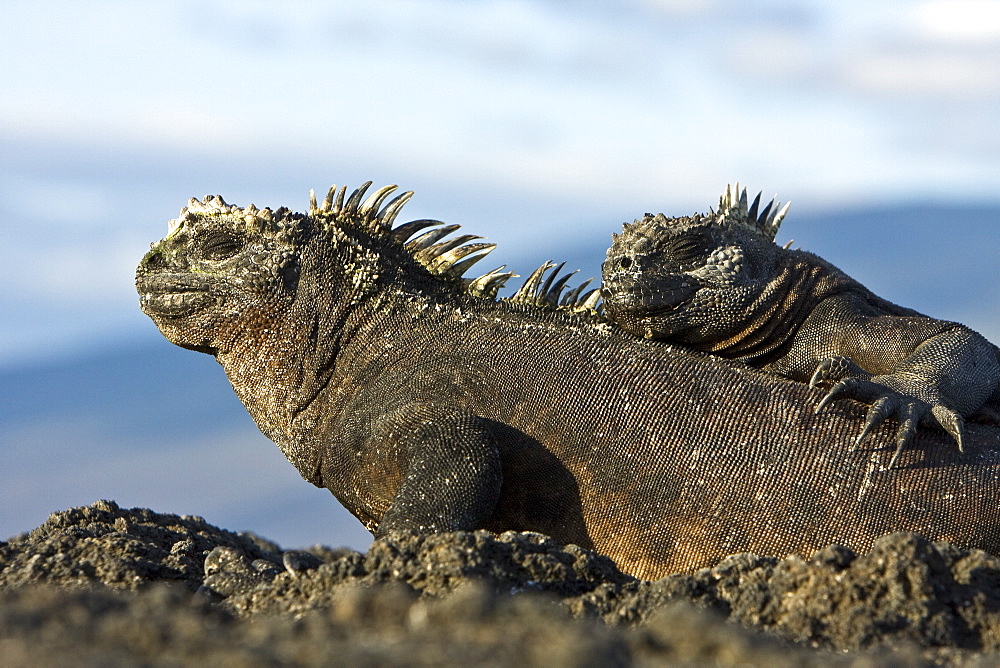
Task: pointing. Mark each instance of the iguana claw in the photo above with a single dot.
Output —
(835, 368)
(886, 401)
(952, 422)
(909, 420)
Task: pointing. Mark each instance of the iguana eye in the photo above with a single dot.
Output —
(219, 246)
(625, 262)
(687, 250)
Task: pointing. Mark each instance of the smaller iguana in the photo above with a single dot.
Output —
(717, 282)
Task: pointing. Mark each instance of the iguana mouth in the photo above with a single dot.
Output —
(640, 298)
(172, 296)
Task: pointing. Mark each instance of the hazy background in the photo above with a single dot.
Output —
(541, 125)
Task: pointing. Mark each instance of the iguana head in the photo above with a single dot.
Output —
(219, 266)
(689, 279)
(225, 273)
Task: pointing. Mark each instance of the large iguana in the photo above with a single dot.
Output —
(717, 282)
(424, 403)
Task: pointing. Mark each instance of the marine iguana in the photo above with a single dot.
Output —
(717, 282)
(424, 403)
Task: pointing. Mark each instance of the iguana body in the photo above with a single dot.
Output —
(718, 283)
(383, 377)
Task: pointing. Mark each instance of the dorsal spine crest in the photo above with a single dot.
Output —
(734, 210)
(424, 240)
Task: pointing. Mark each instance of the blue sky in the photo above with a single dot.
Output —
(529, 122)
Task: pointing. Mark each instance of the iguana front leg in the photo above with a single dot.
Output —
(945, 378)
(453, 478)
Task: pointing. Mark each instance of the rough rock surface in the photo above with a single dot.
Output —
(102, 585)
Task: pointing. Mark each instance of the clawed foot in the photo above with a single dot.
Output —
(900, 397)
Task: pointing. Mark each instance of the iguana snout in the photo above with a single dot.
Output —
(646, 295)
(172, 295)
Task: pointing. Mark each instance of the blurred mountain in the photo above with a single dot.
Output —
(939, 259)
(148, 424)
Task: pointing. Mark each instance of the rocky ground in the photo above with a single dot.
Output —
(106, 586)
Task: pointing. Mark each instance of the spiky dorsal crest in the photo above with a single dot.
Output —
(733, 210)
(366, 214)
(542, 289)
(449, 258)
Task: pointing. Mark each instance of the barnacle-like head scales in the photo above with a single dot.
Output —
(280, 225)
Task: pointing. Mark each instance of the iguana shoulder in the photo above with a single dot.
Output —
(422, 402)
(719, 283)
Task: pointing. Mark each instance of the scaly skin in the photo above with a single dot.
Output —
(718, 283)
(423, 403)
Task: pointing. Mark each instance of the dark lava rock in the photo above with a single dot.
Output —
(437, 564)
(106, 586)
(904, 588)
(120, 548)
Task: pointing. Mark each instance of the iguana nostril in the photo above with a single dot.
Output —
(154, 260)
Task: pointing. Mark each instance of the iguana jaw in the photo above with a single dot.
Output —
(173, 295)
(664, 294)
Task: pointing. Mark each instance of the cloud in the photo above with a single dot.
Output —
(948, 74)
(515, 92)
(965, 21)
(943, 51)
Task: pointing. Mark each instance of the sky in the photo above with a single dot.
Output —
(531, 122)
(540, 125)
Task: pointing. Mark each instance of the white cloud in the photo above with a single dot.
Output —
(515, 92)
(944, 74)
(962, 21)
(681, 7)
